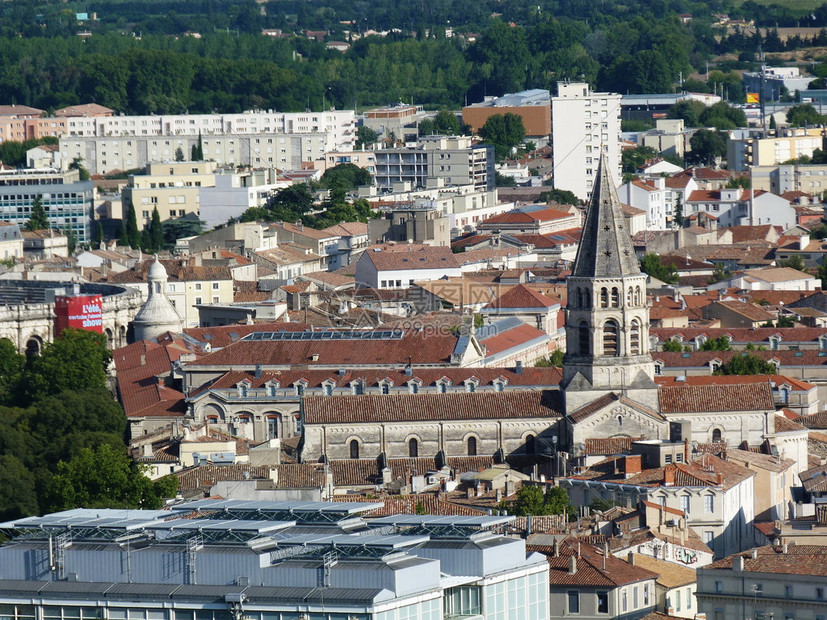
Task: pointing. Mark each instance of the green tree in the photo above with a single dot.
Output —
(794, 262)
(557, 501)
(785, 321)
(632, 159)
(721, 343)
(653, 266)
(365, 137)
(17, 489)
(678, 214)
(179, 154)
(12, 364)
(345, 176)
(426, 127)
(133, 232)
(707, 146)
(504, 132)
(672, 346)
(105, 477)
(502, 180)
(447, 123)
(77, 164)
(71, 238)
(555, 359)
(804, 115)
(560, 196)
(746, 364)
(177, 229)
(76, 360)
(96, 240)
(156, 231)
(38, 219)
(689, 111)
(719, 274)
(530, 501)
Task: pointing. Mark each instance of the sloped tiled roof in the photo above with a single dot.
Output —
(416, 258)
(808, 560)
(590, 570)
(521, 296)
(390, 408)
(700, 398)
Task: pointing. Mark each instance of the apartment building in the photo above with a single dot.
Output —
(232, 193)
(757, 150)
(451, 160)
(806, 178)
(783, 582)
(582, 123)
(68, 201)
(103, 154)
(173, 188)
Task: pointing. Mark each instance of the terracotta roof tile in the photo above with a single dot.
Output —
(426, 257)
(388, 408)
(700, 398)
(590, 571)
(798, 560)
(521, 296)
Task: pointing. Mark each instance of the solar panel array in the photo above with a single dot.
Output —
(393, 334)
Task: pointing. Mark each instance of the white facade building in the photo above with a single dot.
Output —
(582, 122)
(235, 192)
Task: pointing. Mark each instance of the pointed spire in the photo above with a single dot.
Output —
(605, 247)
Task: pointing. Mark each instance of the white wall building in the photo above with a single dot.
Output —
(235, 192)
(582, 122)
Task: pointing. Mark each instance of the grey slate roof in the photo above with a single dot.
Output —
(606, 247)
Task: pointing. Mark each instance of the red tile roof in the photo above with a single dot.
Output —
(513, 338)
(797, 560)
(521, 296)
(796, 384)
(754, 335)
(527, 217)
(700, 398)
(426, 257)
(414, 347)
(590, 571)
(400, 408)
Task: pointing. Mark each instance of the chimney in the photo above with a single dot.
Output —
(755, 553)
(784, 548)
(258, 371)
(669, 476)
(518, 369)
(556, 548)
(147, 450)
(686, 450)
(738, 563)
(605, 554)
(632, 464)
(631, 558)
(719, 479)
(299, 225)
(572, 565)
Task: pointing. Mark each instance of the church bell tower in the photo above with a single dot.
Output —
(607, 319)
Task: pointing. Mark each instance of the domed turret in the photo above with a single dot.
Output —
(157, 315)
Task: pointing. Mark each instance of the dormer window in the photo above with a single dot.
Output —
(414, 385)
(822, 341)
(471, 384)
(500, 383)
(300, 387)
(658, 368)
(243, 388)
(327, 388)
(357, 388)
(271, 387)
(385, 386)
(442, 385)
(714, 365)
(775, 342)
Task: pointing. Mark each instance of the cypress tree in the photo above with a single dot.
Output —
(133, 233)
(98, 235)
(156, 230)
(38, 219)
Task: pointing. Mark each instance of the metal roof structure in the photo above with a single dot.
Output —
(395, 334)
(301, 512)
(438, 526)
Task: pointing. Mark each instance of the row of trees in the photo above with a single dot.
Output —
(62, 434)
(636, 51)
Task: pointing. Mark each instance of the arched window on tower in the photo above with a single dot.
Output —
(354, 449)
(413, 448)
(638, 301)
(634, 338)
(530, 444)
(716, 435)
(583, 338)
(472, 446)
(629, 296)
(615, 297)
(604, 297)
(610, 335)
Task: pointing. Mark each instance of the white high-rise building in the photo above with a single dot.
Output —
(581, 122)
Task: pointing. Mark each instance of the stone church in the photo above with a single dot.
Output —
(424, 406)
(608, 388)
